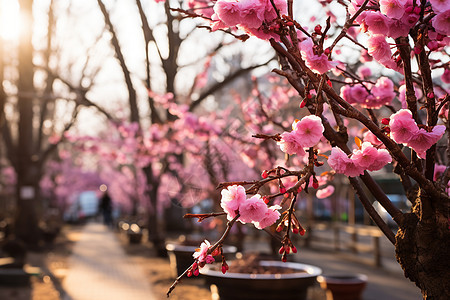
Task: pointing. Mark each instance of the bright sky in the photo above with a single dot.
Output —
(9, 19)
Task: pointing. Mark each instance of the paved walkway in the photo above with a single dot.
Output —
(99, 269)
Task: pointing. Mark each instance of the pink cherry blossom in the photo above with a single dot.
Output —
(371, 138)
(403, 126)
(317, 63)
(251, 13)
(290, 144)
(356, 94)
(325, 192)
(441, 22)
(393, 8)
(379, 48)
(253, 209)
(309, 130)
(446, 76)
(422, 140)
(232, 197)
(201, 254)
(271, 216)
(382, 92)
(397, 28)
(371, 158)
(376, 22)
(440, 5)
(364, 72)
(228, 11)
(342, 164)
(438, 171)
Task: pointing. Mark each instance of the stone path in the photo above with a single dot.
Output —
(99, 269)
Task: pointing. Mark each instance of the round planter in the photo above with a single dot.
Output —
(241, 286)
(343, 287)
(180, 256)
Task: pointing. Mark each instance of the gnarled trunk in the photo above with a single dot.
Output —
(422, 249)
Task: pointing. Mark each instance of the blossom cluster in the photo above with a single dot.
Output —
(394, 19)
(256, 17)
(367, 157)
(370, 96)
(317, 63)
(250, 209)
(306, 133)
(404, 130)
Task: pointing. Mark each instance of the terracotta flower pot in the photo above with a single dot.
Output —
(180, 256)
(241, 286)
(343, 287)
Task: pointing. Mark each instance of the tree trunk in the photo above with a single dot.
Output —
(422, 249)
(26, 219)
(155, 234)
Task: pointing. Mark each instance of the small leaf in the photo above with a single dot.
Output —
(358, 142)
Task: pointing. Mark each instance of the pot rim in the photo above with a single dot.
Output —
(343, 278)
(309, 271)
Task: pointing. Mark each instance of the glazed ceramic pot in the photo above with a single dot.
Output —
(343, 287)
(242, 286)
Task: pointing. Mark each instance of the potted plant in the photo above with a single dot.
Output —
(343, 287)
(267, 280)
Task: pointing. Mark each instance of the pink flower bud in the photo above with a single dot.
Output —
(318, 29)
(264, 174)
(302, 232)
(282, 190)
(329, 83)
(430, 95)
(281, 250)
(295, 230)
(385, 121)
(294, 250)
(302, 104)
(279, 227)
(417, 10)
(315, 184)
(409, 9)
(224, 267)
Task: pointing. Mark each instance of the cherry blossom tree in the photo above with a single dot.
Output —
(352, 110)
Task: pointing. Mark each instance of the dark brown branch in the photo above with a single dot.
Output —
(210, 250)
(132, 98)
(201, 217)
(219, 85)
(371, 210)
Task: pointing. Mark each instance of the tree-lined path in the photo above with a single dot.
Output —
(100, 269)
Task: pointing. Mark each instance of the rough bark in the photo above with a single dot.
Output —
(422, 249)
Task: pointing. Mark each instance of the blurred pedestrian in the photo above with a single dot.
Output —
(106, 209)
